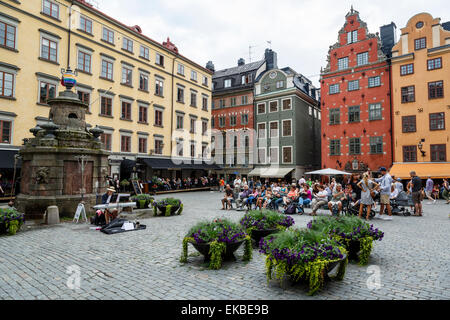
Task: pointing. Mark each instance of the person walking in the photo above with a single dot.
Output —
(385, 184)
(417, 192)
(429, 190)
(446, 191)
(222, 185)
(367, 186)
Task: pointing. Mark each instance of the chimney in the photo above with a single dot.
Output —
(241, 62)
(388, 36)
(271, 59)
(210, 66)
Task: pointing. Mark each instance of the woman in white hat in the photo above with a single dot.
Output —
(106, 199)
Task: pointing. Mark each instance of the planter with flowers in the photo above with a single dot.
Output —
(217, 241)
(352, 232)
(142, 200)
(167, 207)
(10, 221)
(261, 223)
(303, 256)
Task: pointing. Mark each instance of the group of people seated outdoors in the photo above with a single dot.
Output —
(167, 184)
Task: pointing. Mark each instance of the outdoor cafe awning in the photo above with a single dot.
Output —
(423, 170)
(167, 163)
(270, 172)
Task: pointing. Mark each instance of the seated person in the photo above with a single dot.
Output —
(252, 197)
(110, 214)
(277, 199)
(227, 197)
(268, 197)
(261, 197)
(394, 192)
(243, 196)
(291, 196)
(283, 190)
(305, 196)
(320, 199)
(336, 199)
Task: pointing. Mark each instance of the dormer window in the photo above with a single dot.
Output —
(246, 79)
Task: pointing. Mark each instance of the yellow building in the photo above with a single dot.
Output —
(138, 90)
(421, 99)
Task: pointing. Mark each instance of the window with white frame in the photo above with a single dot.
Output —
(50, 8)
(375, 111)
(287, 104)
(6, 129)
(287, 154)
(159, 59)
(261, 108)
(362, 58)
(353, 85)
(127, 44)
(287, 128)
(8, 32)
(49, 47)
(261, 155)
(227, 83)
(273, 155)
(374, 81)
(280, 84)
(84, 60)
(159, 87)
(273, 129)
(193, 75)
(107, 69)
(7, 82)
(333, 88)
(273, 106)
(352, 36)
(261, 130)
(343, 63)
(127, 75)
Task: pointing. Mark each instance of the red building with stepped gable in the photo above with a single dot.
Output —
(355, 100)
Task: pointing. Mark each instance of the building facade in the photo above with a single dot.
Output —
(139, 91)
(233, 116)
(287, 121)
(355, 99)
(421, 98)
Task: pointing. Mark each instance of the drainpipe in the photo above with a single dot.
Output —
(392, 110)
(172, 107)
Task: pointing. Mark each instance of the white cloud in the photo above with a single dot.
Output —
(222, 31)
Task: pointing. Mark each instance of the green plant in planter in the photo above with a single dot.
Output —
(349, 231)
(12, 220)
(143, 200)
(219, 235)
(303, 254)
(167, 206)
(265, 220)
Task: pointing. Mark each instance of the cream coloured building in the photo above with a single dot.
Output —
(145, 95)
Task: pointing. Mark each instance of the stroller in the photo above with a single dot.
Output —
(399, 205)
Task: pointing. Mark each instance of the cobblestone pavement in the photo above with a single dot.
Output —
(413, 257)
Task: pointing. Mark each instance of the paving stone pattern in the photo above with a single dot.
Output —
(413, 258)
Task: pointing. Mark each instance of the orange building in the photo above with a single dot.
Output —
(421, 98)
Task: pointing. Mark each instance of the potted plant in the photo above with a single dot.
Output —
(352, 232)
(261, 223)
(142, 200)
(124, 184)
(167, 206)
(303, 255)
(10, 221)
(217, 241)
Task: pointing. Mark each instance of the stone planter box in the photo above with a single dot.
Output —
(258, 234)
(203, 248)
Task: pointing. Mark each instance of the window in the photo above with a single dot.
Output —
(287, 104)
(125, 145)
(438, 153)
(221, 122)
(180, 121)
(261, 108)
(227, 83)
(204, 127)
(244, 119)
(408, 124)
(437, 121)
(310, 111)
(127, 44)
(85, 24)
(374, 81)
(287, 154)
(49, 50)
(353, 114)
(334, 88)
(409, 153)
(7, 35)
(434, 64)
(51, 9)
(126, 111)
(143, 81)
(262, 155)
(159, 59)
(193, 75)
(233, 120)
(142, 145)
(355, 146)
(376, 145)
(47, 91)
(435, 90)
(280, 84)
(180, 69)
(233, 102)
(106, 140)
(222, 103)
(159, 87)
(84, 61)
(127, 75)
(273, 129)
(261, 130)
(362, 58)
(204, 150)
(205, 81)
(353, 85)
(247, 78)
(287, 128)
(193, 99)
(213, 122)
(420, 43)
(7, 85)
(143, 117)
(244, 100)
(193, 149)
(106, 106)
(273, 155)
(158, 146)
(375, 111)
(335, 147)
(408, 94)
(84, 96)
(205, 103)
(192, 129)
(335, 115)
(343, 63)
(108, 35)
(406, 69)
(5, 131)
(158, 117)
(273, 106)
(144, 52)
(352, 36)
(180, 94)
(107, 70)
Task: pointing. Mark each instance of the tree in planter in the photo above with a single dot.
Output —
(167, 206)
(10, 221)
(124, 184)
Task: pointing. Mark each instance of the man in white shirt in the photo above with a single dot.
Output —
(237, 182)
(276, 188)
(302, 181)
(320, 200)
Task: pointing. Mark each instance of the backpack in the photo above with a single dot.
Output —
(290, 209)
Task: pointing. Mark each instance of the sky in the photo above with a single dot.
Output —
(300, 31)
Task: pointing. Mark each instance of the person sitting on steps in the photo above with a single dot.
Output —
(110, 214)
